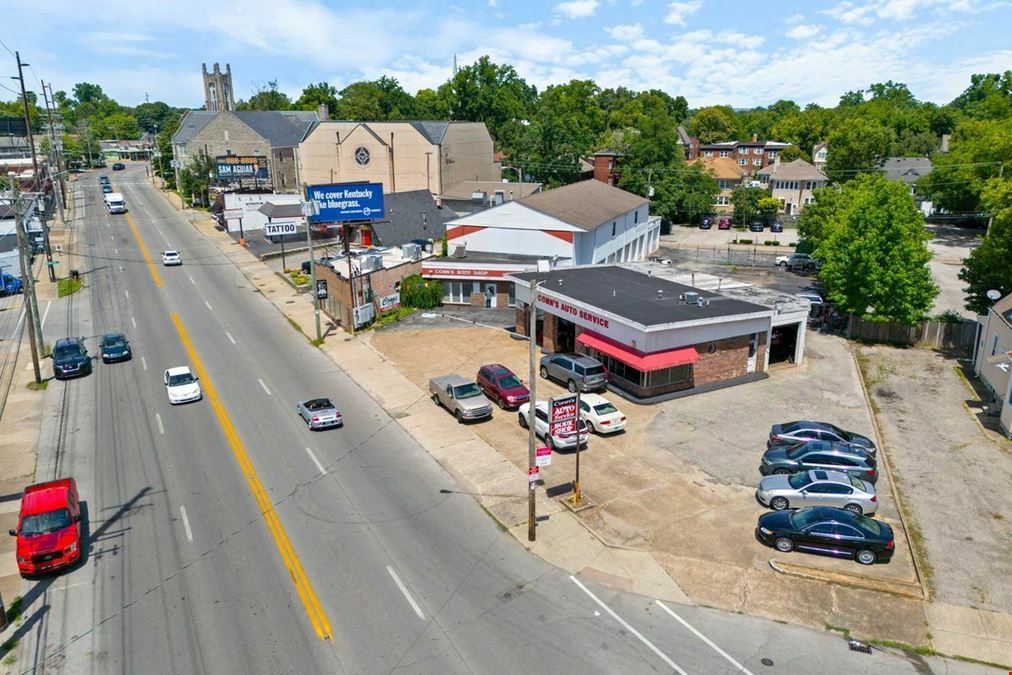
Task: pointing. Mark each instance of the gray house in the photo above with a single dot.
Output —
(908, 170)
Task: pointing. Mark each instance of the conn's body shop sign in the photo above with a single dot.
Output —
(346, 201)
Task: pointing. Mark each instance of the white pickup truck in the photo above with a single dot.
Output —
(114, 202)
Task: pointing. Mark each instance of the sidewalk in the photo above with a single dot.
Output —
(566, 541)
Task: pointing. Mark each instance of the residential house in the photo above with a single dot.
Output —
(403, 156)
(271, 134)
(606, 165)
(819, 153)
(909, 170)
(993, 357)
(751, 156)
(792, 183)
(728, 174)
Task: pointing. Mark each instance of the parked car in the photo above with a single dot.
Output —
(807, 430)
(500, 384)
(49, 527)
(70, 358)
(808, 455)
(817, 488)
(776, 226)
(823, 529)
(757, 226)
(181, 385)
(118, 166)
(576, 371)
(815, 302)
(706, 224)
(10, 285)
(171, 258)
(460, 396)
(600, 414)
(115, 347)
(320, 413)
(799, 262)
(559, 441)
(724, 224)
(319, 261)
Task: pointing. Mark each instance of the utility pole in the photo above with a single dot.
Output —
(29, 287)
(532, 440)
(310, 209)
(62, 195)
(346, 231)
(35, 167)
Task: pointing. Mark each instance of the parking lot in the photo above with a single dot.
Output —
(680, 480)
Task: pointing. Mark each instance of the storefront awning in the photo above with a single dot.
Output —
(642, 362)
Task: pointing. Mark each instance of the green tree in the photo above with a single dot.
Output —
(494, 94)
(431, 106)
(120, 125)
(154, 115)
(989, 96)
(875, 253)
(768, 207)
(857, 146)
(564, 127)
(814, 221)
(746, 203)
(85, 92)
(163, 161)
(793, 152)
(315, 95)
(381, 99)
(715, 123)
(266, 97)
(195, 179)
(989, 266)
(976, 151)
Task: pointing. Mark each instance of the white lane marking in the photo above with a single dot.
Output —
(629, 628)
(133, 321)
(702, 637)
(45, 314)
(191, 280)
(230, 338)
(144, 363)
(158, 419)
(186, 524)
(127, 293)
(108, 225)
(112, 236)
(264, 386)
(208, 305)
(120, 268)
(404, 590)
(69, 586)
(316, 461)
(116, 251)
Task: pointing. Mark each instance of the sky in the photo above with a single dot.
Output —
(742, 54)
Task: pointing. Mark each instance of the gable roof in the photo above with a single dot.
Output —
(281, 130)
(799, 169)
(586, 205)
(906, 169)
(409, 215)
(1003, 309)
(725, 168)
(433, 131)
(191, 124)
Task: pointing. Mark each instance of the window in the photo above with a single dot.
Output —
(753, 345)
(809, 200)
(742, 162)
(226, 139)
(757, 162)
(725, 153)
(611, 164)
(811, 185)
(636, 216)
(994, 345)
(742, 151)
(708, 153)
(757, 151)
(772, 154)
(723, 200)
(614, 226)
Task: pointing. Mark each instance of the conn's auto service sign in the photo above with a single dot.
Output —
(562, 413)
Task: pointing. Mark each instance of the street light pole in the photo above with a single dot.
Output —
(309, 209)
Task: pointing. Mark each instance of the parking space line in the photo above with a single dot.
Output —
(264, 386)
(127, 293)
(705, 639)
(208, 305)
(316, 461)
(404, 590)
(158, 419)
(186, 524)
(44, 314)
(133, 321)
(625, 624)
(191, 280)
(230, 338)
(116, 251)
(144, 363)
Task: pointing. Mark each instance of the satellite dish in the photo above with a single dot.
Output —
(993, 294)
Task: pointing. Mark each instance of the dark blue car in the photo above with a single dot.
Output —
(115, 347)
(70, 358)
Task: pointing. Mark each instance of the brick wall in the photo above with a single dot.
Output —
(382, 282)
(549, 332)
(729, 359)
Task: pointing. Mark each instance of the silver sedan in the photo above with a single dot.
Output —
(320, 413)
(817, 488)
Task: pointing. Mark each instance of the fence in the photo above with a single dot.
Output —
(741, 256)
(957, 336)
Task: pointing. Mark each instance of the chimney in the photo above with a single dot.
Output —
(323, 112)
(755, 138)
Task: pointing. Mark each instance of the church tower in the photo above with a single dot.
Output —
(218, 88)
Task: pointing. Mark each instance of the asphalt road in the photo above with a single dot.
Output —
(227, 538)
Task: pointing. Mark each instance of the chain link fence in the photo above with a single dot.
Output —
(739, 256)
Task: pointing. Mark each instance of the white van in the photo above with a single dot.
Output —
(114, 203)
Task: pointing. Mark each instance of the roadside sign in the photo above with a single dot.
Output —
(280, 228)
(562, 412)
(544, 456)
(533, 475)
(346, 201)
(321, 289)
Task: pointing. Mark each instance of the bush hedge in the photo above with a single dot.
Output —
(419, 293)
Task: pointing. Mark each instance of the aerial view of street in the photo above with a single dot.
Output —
(574, 337)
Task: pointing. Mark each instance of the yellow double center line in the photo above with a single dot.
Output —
(302, 584)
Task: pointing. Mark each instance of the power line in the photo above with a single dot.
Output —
(6, 47)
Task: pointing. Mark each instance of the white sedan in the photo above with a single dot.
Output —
(171, 258)
(181, 385)
(600, 414)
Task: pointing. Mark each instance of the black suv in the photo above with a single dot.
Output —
(70, 358)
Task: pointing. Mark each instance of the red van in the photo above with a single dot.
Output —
(49, 527)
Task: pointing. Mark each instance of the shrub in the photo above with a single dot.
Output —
(419, 293)
(770, 242)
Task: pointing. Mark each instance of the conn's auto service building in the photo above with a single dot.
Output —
(657, 334)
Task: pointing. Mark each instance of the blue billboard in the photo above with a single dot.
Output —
(346, 201)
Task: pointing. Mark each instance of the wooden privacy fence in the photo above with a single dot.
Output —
(954, 335)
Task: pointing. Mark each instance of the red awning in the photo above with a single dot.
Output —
(638, 360)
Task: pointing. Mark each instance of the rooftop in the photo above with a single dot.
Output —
(726, 168)
(587, 204)
(639, 297)
(471, 257)
(906, 169)
(408, 216)
(465, 190)
(799, 169)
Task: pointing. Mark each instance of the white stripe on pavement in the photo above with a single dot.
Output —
(230, 338)
(208, 305)
(186, 524)
(404, 590)
(133, 321)
(127, 293)
(144, 363)
(45, 314)
(628, 627)
(316, 461)
(264, 386)
(158, 419)
(191, 280)
(705, 639)
(116, 251)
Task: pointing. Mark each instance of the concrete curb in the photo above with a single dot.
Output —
(904, 589)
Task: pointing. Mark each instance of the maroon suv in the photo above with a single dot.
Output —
(501, 385)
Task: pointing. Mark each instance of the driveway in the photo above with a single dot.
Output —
(949, 246)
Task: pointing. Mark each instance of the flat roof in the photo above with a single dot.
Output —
(481, 257)
(639, 297)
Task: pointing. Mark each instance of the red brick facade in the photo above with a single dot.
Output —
(606, 168)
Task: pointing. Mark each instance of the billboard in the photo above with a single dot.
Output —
(12, 126)
(242, 170)
(346, 201)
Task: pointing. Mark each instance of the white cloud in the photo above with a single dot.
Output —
(678, 11)
(626, 32)
(575, 9)
(493, 3)
(804, 31)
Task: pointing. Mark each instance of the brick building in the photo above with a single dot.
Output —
(606, 166)
(657, 334)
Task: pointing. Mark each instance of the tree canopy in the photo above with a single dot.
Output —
(989, 266)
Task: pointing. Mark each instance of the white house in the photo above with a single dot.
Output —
(792, 183)
(993, 358)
